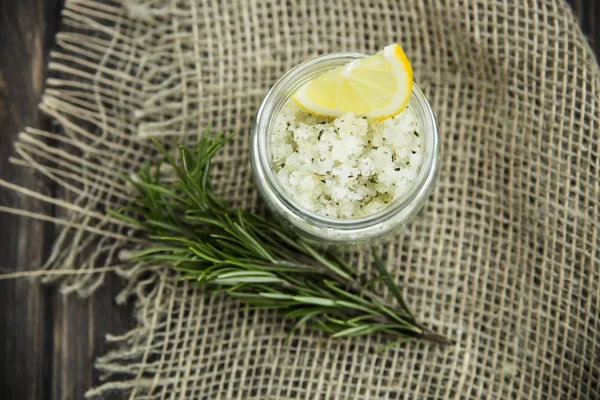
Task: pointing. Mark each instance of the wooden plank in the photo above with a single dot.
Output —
(25, 319)
(48, 342)
(79, 329)
(588, 15)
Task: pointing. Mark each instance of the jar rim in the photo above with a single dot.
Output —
(400, 210)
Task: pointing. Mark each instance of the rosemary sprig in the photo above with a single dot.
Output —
(248, 257)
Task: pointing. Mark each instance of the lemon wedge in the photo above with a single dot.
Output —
(376, 87)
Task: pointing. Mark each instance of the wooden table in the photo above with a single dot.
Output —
(48, 343)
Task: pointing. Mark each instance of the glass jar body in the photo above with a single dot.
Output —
(314, 226)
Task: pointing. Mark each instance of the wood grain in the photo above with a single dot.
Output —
(79, 329)
(588, 15)
(48, 342)
(25, 320)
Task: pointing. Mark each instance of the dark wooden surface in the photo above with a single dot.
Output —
(48, 342)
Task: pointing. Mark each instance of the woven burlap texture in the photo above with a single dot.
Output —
(504, 258)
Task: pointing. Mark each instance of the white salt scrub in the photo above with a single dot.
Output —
(346, 168)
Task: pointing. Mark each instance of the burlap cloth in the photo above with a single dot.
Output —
(504, 258)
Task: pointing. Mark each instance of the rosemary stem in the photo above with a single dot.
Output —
(254, 259)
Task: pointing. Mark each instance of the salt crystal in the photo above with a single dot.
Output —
(348, 167)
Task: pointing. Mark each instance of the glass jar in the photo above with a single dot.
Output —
(330, 230)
